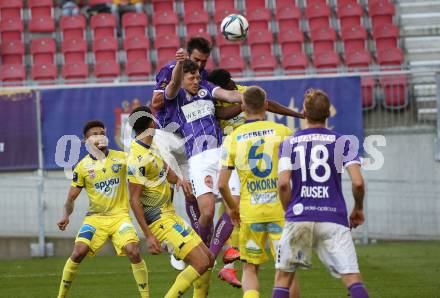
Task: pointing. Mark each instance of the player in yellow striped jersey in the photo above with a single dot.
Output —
(252, 149)
(236, 117)
(149, 180)
(103, 175)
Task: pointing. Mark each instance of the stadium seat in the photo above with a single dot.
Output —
(318, 15)
(165, 22)
(294, 63)
(95, 2)
(227, 48)
(263, 63)
(72, 27)
(75, 71)
(233, 64)
(11, 9)
(43, 50)
(349, 14)
(136, 48)
(220, 5)
(105, 49)
(44, 72)
(354, 38)
(221, 14)
(323, 39)
(134, 24)
(381, 12)
(283, 3)
(12, 74)
(193, 5)
(367, 88)
(103, 25)
(260, 42)
(385, 36)
(343, 2)
(358, 60)
(11, 29)
(41, 8)
(106, 69)
(196, 22)
(258, 18)
(326, 62)
(166, 47)
(288, 17)
(291, 41)
(12, 52)
(74, 50)
(138, 68)
(390, 58)
(42, 24)
(162, 5)
(395, 91)
(252, 4)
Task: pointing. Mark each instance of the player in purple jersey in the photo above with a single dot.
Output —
(309, 185)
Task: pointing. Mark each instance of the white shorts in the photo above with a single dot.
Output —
(203, 172)
(234, 183)
(172, 149)
(332, 242)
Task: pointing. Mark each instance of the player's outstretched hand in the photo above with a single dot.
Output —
(153, 245)
(62, 224)
(356, 218)
(235, 216)
(186, 186)
(181, 55)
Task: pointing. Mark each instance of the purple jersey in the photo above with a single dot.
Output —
(162, 80)
(196, 118)
(316, 157)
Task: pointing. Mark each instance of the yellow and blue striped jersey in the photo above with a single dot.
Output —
(147, 168)
(252, 149)
(104, 181)
(229, 125)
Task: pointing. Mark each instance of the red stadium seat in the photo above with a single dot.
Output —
(395, 91)
(44, 72)
(283, 3)
(11, 29)
(43, 50)
(343, 2)
(162, 5)
(166, 47)
(105, 49)
(259, 18)
(318, 15)
(75, 71)
(12, 74)
(228, 48)
(291, 41)
(134, 24)
(74, 51)
(323, 39)
(95, 2)
(42, 24)
(221, 14)
(137, 48)
(263, 63)
(358, 60)
(193, 5)
(196, 22)
(368, 84)
(41, 8)
(381, 12)
(73, 26)
(220, 5)
(138, 68)
(252, 4)
(288, 17)
(349, 14)
(12, 52)
(11, 9)
(103, 25)
(233, 64)
(260, 42)
(295, 63)
(390, 58)
(326, 62)
(354, 38)
(385, 36)
(165, 22)
(106, 69)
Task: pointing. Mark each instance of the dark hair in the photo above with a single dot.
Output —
(254, 98)
(220, 77)
(140, 122)
(198, 43)
(190, 66)
(92, 123)
(317, 105)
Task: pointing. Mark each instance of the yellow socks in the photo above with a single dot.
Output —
(183, 282)
(140, 274)
(251, 294)
(69, 273)
(201, 285)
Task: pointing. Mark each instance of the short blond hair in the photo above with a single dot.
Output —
(317, 105)
(254, 99)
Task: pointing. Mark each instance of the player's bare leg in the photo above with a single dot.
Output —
(139, 268)
(80, 251)
(286, 285)
(251, 286)
(354, 284)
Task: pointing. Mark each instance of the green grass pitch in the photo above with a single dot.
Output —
(390, 269)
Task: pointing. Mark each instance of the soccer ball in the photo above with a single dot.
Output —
(234, 27)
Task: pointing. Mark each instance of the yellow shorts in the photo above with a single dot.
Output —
(253, 239)
(172, 231)
(96, 229)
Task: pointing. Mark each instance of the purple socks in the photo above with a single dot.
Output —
(280, 293)
(193, 212)
(222, 232)
(205, 233)
(357, 290)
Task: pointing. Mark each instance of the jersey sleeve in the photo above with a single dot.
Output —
(136, 170)
(162, 79)
(286, 156)
(228, 153)
(351, 153)
(78, 179)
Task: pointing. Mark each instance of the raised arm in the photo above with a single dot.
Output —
(174, 85)
(232, 96)
(69, 206)
(278, 108)
(358, 190)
